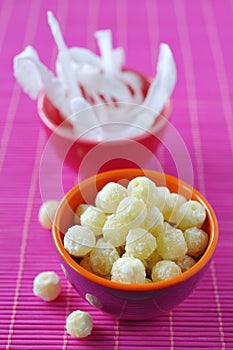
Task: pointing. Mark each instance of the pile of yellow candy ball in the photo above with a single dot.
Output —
(141, 233)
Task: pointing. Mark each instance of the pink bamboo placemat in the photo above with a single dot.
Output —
(200, 35)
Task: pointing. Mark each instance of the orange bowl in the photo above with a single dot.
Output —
(130, 301)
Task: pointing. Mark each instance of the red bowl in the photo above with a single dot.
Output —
(130, 301)
(130, 152)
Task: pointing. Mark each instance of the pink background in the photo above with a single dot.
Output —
(200, 36)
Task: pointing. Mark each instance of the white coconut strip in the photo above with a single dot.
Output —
(159, 91)
(54, 87)
(83, 118)
(164, 82)
(64, 57)
(118, 57)
(82, 56)
(26, 73)
(104, 39)
(133, 81)
(104, 84)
